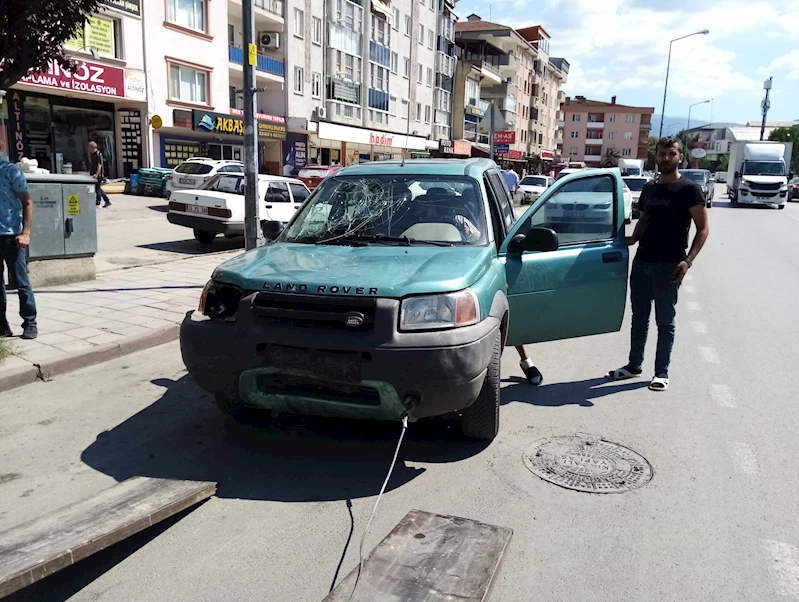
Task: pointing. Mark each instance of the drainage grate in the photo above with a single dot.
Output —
(588, 463)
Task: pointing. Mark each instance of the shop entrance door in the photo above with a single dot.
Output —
(228, 152)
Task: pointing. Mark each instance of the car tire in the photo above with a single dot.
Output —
(204, 237)
(481, 419)
(236, 409)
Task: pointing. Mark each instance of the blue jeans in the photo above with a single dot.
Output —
(16, 260)
(100, 193)
(652, 282)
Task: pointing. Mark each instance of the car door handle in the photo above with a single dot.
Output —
(612, 257)
(269, 206)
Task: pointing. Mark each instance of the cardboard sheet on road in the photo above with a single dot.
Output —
(34, 550)
(429, 557)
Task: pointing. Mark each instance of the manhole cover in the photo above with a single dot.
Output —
(588, 463)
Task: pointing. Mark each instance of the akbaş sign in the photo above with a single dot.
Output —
(219, 123)
(88, 77)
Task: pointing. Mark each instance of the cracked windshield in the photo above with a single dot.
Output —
(398, 301)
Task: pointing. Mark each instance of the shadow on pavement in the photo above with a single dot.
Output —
(289, 458)
(192, 247)
(580, 392)
(728, 205)
(159, 208)
(64, 584)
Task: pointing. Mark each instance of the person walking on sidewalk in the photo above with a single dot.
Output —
(16, 218)
(667, 208)
(96, 169)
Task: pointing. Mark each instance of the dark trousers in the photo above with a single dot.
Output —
(652, 283)
(100, 193)
(16, 260)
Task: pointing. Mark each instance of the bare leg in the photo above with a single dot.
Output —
(533, 374)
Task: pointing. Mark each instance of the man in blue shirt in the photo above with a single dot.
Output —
(512, 181)
(16, 217)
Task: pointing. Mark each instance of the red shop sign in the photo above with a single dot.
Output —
(513, 154)
(547, 155)
(462, 147)
(90, 78)
(508, 137)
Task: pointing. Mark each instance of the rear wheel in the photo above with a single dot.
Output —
(481, 419)
(205, 237)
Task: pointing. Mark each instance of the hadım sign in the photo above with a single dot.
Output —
(90, 78)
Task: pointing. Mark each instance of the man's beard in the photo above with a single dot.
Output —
(667, 167)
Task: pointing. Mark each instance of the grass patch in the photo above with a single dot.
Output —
(6, 349)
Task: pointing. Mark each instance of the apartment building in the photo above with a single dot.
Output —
(592, 127)
(511, 69)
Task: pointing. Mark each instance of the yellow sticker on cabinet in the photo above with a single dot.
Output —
(73, 204)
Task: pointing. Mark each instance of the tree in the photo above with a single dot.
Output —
(724, 162)
(612, 158)
(32, 33)
(651, 152)
(790, 134)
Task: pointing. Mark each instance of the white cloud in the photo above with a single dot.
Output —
(788, 63)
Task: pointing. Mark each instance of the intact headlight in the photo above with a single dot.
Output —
(430, 312)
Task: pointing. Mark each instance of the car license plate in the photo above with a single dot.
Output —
(196, 209)
(186, 181)
(572, 214)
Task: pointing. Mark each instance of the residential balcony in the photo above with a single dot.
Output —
(267, 12)
(593, 125)
(379, 54)
(378, 99)
(588, 158)
(445, 64)
(344, 39)
(343, 90)
(487, 70)
(561, 123)
(645, 126)
(561, 97)
(597, 141)
(558, 140)
(266, 64)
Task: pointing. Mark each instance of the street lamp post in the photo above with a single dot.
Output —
(702, 102)
(671, 125)
(668, 66)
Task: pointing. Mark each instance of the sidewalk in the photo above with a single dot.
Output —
(118, 313)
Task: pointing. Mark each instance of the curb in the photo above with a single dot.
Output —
(18, 377)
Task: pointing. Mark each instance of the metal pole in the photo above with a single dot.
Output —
(765, 107)
(665, 88)
(689, 117)
(252, 235)
(491, 128)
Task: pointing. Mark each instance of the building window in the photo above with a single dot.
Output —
(626, 152)
(575, 117)
(405, 108)
(348, 111)
(575, 135)
(612, 119)
(418, 111)
(408, 25)
(630, 119)
(187, 13)
(350, 15)
(421, 73)
(299, 23)
(573, 150)
(298, 80)
(427, 113)
(628, 135)
(429, 76)
(431, 36)
(395, 21)
(421, 35)
(394, 62)
(316, 85)
(381, 32)
(378, 78)
(406, 71)
(611, 135)
(188, 84)
(317, 30)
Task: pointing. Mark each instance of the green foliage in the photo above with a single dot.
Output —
(651, 153)
(724, 163)
(790, 134)
(612, 158)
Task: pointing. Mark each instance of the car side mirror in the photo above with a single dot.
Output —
(537, 239)
(737, 174)
(271, 229)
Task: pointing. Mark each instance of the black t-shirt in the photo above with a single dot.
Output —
(95, 161)
(667, 207)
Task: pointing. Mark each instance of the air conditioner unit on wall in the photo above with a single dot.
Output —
(268, 40)
(319, 113)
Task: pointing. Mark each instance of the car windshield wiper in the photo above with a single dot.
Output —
(385, 238)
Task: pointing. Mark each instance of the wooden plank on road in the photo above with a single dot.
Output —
(34, 550)
(429, 558)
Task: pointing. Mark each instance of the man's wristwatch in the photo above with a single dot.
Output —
(689, 262)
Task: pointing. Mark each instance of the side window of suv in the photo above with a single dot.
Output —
(500, 193)
(277, 192)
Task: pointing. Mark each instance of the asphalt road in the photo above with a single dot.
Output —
(134, 231)
(716, 523)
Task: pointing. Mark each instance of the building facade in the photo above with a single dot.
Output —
(593, 127)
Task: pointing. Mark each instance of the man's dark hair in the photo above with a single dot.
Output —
(669, 141)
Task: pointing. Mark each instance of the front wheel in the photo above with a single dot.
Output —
(205, 237)
(481, 419)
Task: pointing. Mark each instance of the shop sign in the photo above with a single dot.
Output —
(514, 154)
(547, 155)
(135, 84)
(260, 116)
(17, 139)
(91, 78)
(344, 133)
(506, 137)
(157, 122)
(462, 147)
(129, 6)
(181, 118)
(295, 152)
(501, 149)
(219, 123)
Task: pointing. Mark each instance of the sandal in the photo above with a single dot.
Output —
(659, 383)
(533, 374)
(624, 373)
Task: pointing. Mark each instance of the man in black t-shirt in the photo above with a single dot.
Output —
(96, 169)
(667, 208)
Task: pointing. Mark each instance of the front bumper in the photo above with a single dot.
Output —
(199, 222)
(372, 374)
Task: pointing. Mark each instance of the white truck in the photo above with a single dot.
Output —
(758, 172)
(632, 167)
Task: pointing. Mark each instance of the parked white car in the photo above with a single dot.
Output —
(218, 206)
(636, 185)
(195, 172)
(628, 204)
(532, 187)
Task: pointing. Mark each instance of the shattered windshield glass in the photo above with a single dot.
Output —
(390, 209)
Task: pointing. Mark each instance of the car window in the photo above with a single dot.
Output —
(299, 192)
(193, 168)
(231, 169)
(277, 192)
(636, 184)
(534, 181)
(505, 205)
(313, 172)
(225, 183)
(581, 211)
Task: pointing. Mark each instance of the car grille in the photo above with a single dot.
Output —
(313, 310)
(765, 186)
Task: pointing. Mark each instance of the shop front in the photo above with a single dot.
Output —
(198, 133)
(52, 117)
(335, 144)
(459, 149)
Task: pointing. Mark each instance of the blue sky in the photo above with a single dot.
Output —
(620, 47)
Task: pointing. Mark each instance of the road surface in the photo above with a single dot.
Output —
(716, 523)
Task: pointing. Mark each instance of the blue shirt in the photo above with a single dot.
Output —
(12, 183)
(511, 179)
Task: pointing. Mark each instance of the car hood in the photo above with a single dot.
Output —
(379, 270)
